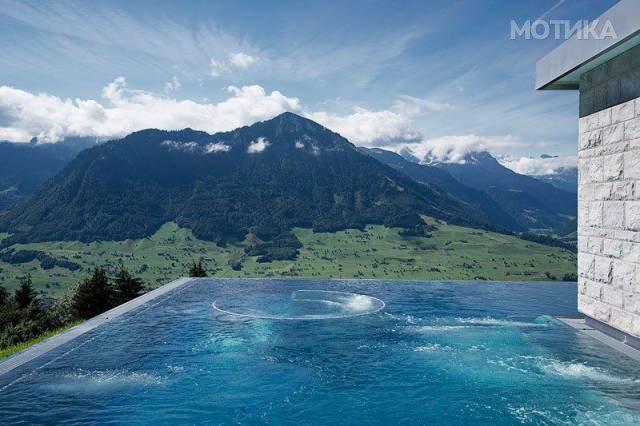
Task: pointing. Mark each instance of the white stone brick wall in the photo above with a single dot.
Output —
(609, 216)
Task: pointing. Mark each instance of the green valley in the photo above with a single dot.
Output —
(452, 252)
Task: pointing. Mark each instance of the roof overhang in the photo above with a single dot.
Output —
(562, 67)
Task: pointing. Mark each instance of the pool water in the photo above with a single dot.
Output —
(333, 352)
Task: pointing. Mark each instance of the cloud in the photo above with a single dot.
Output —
(371, 128)
(234, 61)
(453, 149)
(173, 85)
(216, 68)
(212, 148)
(241, 60)
(258, 146)
(123, 110)
(539, 166)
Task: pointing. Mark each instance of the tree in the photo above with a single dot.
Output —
(25, 294)
(127, 287)
(94, 295)
(4, 296)
(197, 270)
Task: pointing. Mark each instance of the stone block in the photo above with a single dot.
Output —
(613, 215)
(613, 167)
(586, 305)
(613, 133)
(632, 129)
(603, 269)
(632, 303)
(595, 171)
(624, 275)
(586, 265)
(623, 112)
(632, 215)
(601, 311)
(595, 214)
(593, 290)
(591, 139)
(632, 165)
(612, 248)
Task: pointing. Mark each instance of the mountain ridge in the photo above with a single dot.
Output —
(266, 178)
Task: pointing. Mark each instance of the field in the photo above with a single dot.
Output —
(452, 252)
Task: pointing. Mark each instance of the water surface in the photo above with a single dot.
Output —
(328, 352)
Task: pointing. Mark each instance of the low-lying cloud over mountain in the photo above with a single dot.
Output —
(540, 166)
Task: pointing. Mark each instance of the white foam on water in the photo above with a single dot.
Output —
(490, 321)
(575, 370)
(438, 328)
(81, 380)
(359, 303)
(348, 305)
(433, 347)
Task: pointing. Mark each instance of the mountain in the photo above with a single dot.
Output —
(25, 167)
(264, 178)
(565, 178)
(534, 204)
(478, 201)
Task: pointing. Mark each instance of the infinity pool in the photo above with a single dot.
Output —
(333, 352)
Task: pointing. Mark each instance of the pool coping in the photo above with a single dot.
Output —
(614, 341)
(29, 354)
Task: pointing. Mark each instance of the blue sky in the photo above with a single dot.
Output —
(438, 74)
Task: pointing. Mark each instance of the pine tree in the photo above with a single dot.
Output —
(25, 294)
(197, 270)
(4, 296)
(127, 287)
(94, 295)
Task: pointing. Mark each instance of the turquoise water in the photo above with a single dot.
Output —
(333, 352)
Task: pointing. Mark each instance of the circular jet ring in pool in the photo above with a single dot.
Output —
(350, 304)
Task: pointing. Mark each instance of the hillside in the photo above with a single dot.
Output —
(534, 204)
(451, 252)
(478, 201)
(24, 167)
(266, 178)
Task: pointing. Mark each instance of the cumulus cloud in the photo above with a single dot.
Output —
(123, 110)
(539, 166)
(258, 146)
(299, 145)
(454, 149)
(233, 61)
(241, 60)
(393, 126)
(370, 128)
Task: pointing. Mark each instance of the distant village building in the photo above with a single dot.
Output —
(606, 72)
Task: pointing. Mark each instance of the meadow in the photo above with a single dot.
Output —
(451, 253)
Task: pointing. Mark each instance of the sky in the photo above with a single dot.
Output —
(438, 77)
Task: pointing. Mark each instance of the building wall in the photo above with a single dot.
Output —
(609, 216)
(611, 83)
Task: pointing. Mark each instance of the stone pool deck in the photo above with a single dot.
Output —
(619, 342)
(56, 341)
